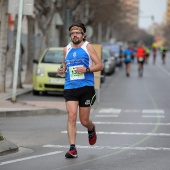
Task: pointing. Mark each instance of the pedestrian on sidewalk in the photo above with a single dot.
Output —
(80, 61)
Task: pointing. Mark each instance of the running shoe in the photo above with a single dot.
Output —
(92, 136)
(71, 154)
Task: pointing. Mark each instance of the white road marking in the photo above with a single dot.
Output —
(153, 116)
(130, 123)
(31, 157)
(131, 111)
(110, 110)
(124, 133)
(106, 115)
(109, 147)
(164, 70)
(153, 111)
(118, 111)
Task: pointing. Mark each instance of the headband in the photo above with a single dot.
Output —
(78, 26)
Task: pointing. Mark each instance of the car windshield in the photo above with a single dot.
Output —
(53, 56)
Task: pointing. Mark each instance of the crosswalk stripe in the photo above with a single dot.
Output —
(130, 123)
(144, 111)
(106, 115)
(153, 116)
(124, 133)
(154, 111)
(109, 147)
(110, 110)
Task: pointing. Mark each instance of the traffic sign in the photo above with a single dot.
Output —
(28, 7)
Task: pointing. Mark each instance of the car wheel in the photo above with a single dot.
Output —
(103, 78)
(35, 92)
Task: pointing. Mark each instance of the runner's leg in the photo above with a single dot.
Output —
(72, 107)
(84, 113)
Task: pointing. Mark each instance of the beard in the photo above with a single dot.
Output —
(77, 42)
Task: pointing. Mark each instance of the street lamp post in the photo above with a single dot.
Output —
(20, 9)
(24, 7)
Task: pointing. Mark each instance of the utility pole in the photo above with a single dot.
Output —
(17, 52)
(20, 7)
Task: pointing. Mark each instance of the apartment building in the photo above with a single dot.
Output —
(132, 11)
(167, 13)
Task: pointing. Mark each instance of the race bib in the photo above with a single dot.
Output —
(128, 57)
(74, 75)
(141, 59)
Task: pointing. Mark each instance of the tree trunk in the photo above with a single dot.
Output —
(30, 56)
(3, 43)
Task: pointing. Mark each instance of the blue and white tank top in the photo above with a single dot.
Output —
(74, 58)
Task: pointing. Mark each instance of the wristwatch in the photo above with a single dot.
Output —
(87, 70)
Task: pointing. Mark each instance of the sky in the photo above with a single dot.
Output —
(148, 8)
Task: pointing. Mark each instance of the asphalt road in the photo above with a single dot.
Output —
(132, 122)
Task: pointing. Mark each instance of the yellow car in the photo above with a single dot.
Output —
(45, 78)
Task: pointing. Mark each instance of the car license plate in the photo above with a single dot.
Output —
(106, 66)
(57, 81)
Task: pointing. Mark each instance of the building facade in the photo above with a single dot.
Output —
(132, 11)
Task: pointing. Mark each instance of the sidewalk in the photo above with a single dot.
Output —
(9, 108)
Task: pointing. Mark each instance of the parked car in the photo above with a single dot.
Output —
(116, 50)
(45, 78)
(119, 60)
(109, 62)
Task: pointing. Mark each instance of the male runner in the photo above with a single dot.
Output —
(80, 60)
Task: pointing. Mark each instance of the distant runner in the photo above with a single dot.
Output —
(140, 53)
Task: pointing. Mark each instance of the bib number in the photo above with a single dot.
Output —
(74, 75)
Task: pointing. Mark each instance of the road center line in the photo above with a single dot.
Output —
(28, 158)
(164, 70)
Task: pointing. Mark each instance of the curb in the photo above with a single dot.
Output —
(7, 147)
(31, 112)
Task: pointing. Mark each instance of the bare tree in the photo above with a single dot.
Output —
(3, 43)
(44, 12)
(30, 55)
